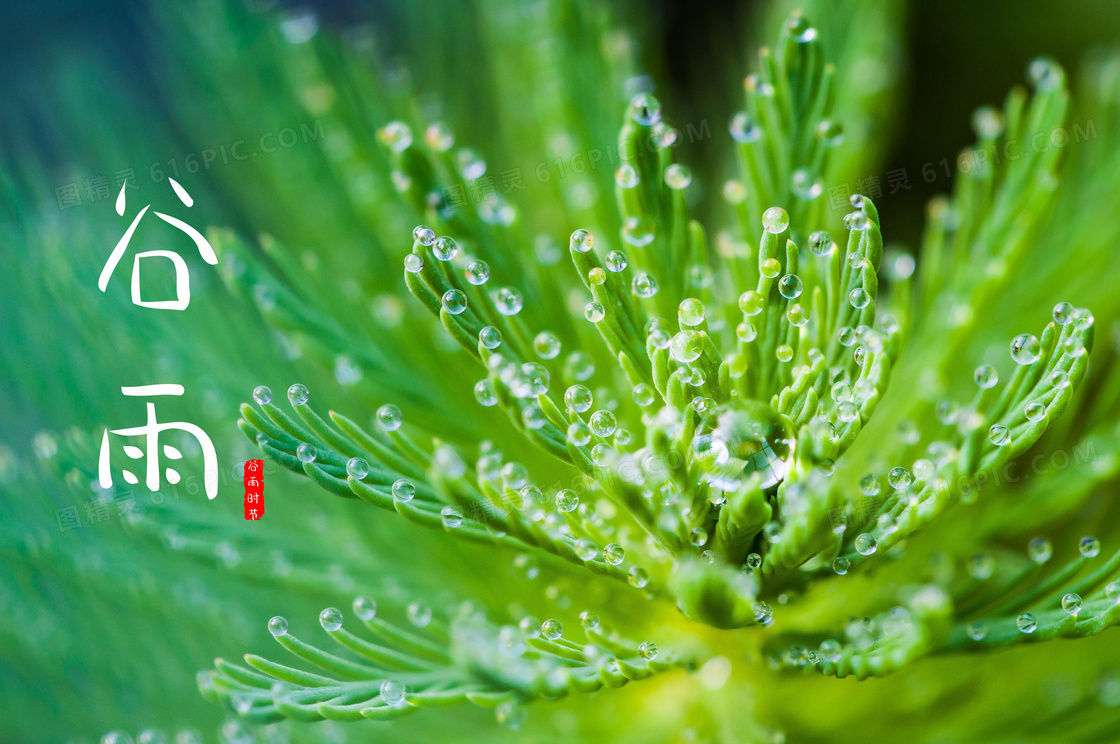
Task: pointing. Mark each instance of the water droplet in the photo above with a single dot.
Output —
(744, 129)
(754, 560)
(567, 500)
(847, 411)
(1026, 623)
(490, 337)
(331, 618)
(278, 626)
(830, 651)
(419, 614)
(438, 136)
(586, 549)
(603, 424)
(470, 165)
(924, 470)
(1040, 549)
(401, 181)
(403, 491)
(1025, 349)
(594, 312)
(305, 452)
(547, 345)
(639, 231)
(784, 353)
(841, 566)
(1063, 313)
(986, 376)
(1071, 603)
(644, 285)
(900, 268)
(116, 737)
(578, 398)
(775, 220)
(859, 298)
(981, 566)
(645, 109)
(614, 554)
(392, 693)
(364, 608)
(1089, 547)
(1034, 411)
(451, 517)
(999, 435)
(389, 417)
(647, 650)
(664, 136)
(831, 133)
(454, 301)
(552, 629)
(643, 394)
(856, 221)
(579, 434)
(413, 263)
(262, 394)
(805, 184)
(987, 122)
(626, 176)
(508, 301)
(865, 544)
(739, 439)
(700, 404)
(546, 250)
(977, 630)
(698, 536)
(423, 235)
(298, 394)
(686, 347)
(745, 332)
(581, 241)
(396, 136)
(790, 286)
(734, 192)
(869, 485)
(1073, 346)
(751, 303)
(445, 248)
(899, 478)
(638, 578)
(1044, 74)
(484, 393)
(615, 261)
(820, 243)
(514, 475)
(478, 273)
(691, 312)
(947, 411)
(677, 177)
(357, 468)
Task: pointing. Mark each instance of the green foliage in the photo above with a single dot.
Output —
(746, 433)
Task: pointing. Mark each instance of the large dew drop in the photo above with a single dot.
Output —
(741, 438)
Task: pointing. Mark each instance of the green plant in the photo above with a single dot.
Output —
(723, 466)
